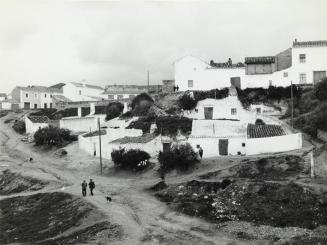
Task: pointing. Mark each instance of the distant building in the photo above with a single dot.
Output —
(74, 91)
(304, 63)
(3, 96)
(34, 97)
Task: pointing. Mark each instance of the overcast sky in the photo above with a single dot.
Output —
(46, 42)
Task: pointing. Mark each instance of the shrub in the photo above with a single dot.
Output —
(186, 102)
(321, 90)
(130, 159)
(259, 122)
(141, 97)
(143, 123)
(169, 125)
(142, 108)
(19, 126)
(114, 109)
(213, 94)
(180, 157)
(3, 113)
(53, 136)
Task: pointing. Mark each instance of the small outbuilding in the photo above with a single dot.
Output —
(33, 123)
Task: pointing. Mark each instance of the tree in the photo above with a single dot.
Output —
(53, 136)
(114, 109)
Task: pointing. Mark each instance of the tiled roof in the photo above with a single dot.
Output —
(260, 60)
(318, 43)
(3, 95)
(58, 85)
(87, 85)
(145, 138)
(60, 98)
(39, 119)
(262, 131)
(34, 88)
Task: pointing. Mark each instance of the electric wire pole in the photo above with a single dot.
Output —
(292, 105)
(148, 81)
(100, 145)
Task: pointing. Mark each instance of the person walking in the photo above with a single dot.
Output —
(200, 152)
(91, 186)
(84, 186)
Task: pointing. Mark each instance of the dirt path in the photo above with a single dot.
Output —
(143, 218)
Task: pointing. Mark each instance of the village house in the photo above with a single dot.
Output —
(3, 96)
(305, 63)
(74, 91)
(33, 123)
(34, 97)
(223, 127)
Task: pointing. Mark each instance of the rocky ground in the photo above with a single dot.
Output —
(225, 201)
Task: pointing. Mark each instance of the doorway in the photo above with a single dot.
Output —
(208, 112)
(318, 76)
(223, 147)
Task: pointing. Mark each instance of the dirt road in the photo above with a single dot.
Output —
(144, 219)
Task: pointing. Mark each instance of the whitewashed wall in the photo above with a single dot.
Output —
(5, 105)
(316, 60)
(222, 109)
(274, 144)
(91, 144)
(82, 124)
(31, 127)
(210, 145)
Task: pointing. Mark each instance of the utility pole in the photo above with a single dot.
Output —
(100, 145)
(312, 165)
(148, 81)
(292, 104)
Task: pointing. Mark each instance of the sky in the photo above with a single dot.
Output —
(105, 42)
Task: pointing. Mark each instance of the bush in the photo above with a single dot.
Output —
(141, 97)
(45, 112)
(53, 136)
(130, 159)
(143, 123)
(142, 108)
(259, 122)
(19, 126)
(114, 109)
(212, 94)
(180, 157)
(169, 125)
(186, 102)
(321, 90)
(3, 113)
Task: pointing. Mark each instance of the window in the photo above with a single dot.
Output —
(258, 110)
(50, 105)
(80, 92)
(233, 111)
(190, 83)
(45, 95)
(111, 97)
(26, 95)
(196, 110)
(285, 74)
(50, 95)
(243, 144)
(303, 78)
(302, 58)
(120, 97)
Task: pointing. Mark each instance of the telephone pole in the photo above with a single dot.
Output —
(292, 104)
(100, 145)
(148, 81)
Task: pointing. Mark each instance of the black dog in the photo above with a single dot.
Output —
(108, 198)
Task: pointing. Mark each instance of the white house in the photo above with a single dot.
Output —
(82, 92)
(304, 63)
(309, 61)
(34, 97)
(3, 96)
(33, 123)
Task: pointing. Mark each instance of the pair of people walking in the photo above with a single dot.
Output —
(84, 187)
